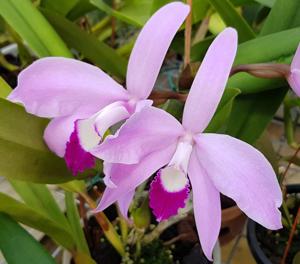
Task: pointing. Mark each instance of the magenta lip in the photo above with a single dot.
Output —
(77, 159)
(165, 204)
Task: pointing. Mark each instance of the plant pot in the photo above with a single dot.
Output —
(257, 246)
(233, 220)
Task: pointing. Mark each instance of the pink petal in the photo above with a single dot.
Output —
(207, 206)
(210, 81)
(294, 77)
(53, 87)
(58, 133)
(151, 47)
(128, 177)
(296, 60)
(124, 203)
(164, 203)
(241, 172)
(149, 130)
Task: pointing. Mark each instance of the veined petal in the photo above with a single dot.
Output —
(242, 173)
(207, 206)
(147, 131)
(128, 177)
(151, 47)
(124, 203)
(53, 87)
(210, 82)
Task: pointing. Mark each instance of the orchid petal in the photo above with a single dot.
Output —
(296, 60)
(151, 47)
(128, 177)
(58, 133)
(124, 203)
(207, 206)
(53, 87)
(242, 173)
(210, 81)
(294, 76)
(144, 132)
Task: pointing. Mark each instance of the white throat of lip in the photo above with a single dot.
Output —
(174, 176)
(92, 130)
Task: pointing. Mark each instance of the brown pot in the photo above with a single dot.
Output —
(233, 221)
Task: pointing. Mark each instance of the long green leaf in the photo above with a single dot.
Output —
(18, 246)
(252, 112)
(223, 110)
(277, 20)
(93, 49)
(24, 155)
(134, 12)
(41, 199)
(35, 219)
(33, 28)
(74, 220)
(62, 7)
(232, 18)
(5, 89)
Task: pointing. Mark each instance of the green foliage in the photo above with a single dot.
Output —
(93, 49)
(74, 221)
(232, 18)
(24, 214)
(24, 155)
(18, 246)
(33, 28)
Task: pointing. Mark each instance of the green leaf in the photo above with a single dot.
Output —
(35, 219)
(62, 7)
(33, 28)
(18, 246)
(41, 199)
(252, 112)
(285, 14)
(232, 18)
(74, 220)
(223, 110)
(5, 89)
(73, 186)
(93, 49)
(264, 145)
(296, 259)
(268, 3)
(134, 12)
(24, 155)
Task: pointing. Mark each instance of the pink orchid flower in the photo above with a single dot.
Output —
(84, 101)
(153, 140)
(294, 76)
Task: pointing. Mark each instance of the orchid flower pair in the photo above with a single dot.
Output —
(84, 101)
(152, 140)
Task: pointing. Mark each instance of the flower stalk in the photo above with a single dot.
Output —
(107, 227)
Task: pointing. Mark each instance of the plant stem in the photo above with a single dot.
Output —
(107, 227)
(292, 233)
(187, 36)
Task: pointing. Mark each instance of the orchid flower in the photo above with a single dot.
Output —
(84, 101)
(153, 140)
(294, 76)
